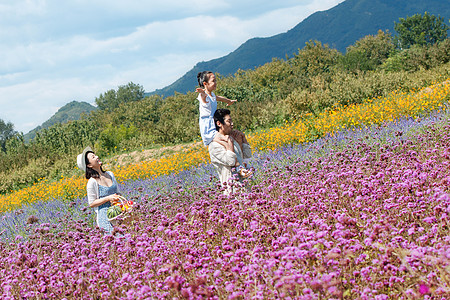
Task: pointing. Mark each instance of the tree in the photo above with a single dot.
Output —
(315, 59)
(125, 93)
(6, 132)
(369, 52)
(422, 30)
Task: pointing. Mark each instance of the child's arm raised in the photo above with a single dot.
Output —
(202, 94)
(225, 100)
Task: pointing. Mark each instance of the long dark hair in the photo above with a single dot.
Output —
(203, 77)
(89, 171)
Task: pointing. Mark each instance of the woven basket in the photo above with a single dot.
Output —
(125, 213)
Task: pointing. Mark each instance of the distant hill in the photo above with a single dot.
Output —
(69, 112)
(339, 27)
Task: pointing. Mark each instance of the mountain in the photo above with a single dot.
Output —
(69, 112)
(339, 27)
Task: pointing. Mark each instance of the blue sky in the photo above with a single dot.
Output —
(53, 52)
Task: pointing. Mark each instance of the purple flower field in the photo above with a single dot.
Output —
(362, 215)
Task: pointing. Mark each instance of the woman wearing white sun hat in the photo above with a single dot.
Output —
(102, 187)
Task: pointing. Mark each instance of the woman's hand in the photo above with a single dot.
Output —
(112, 198)
(239, 137)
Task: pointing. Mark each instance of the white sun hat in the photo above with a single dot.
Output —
(81, 158)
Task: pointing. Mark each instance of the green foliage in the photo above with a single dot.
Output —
(258, 93)
(6, 132)
(124, 94)
(178, 119)
(72, 111)
(420, 30)
(15, 144)
(419, 57)
(369, 52)
(25, 163)
(350, 88)
(65, 138)
(35, 170)
(396, 62)
(142, 140)
(315, 59)
(112, 136)
(300, 103)
(339, 26)
(142, 114)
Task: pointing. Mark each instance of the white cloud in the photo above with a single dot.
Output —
(33, 102)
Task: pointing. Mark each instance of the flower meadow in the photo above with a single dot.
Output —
(373, 111)
(357, 214)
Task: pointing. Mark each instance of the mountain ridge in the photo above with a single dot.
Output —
(339, 27)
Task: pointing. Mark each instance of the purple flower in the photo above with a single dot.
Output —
(424, 289)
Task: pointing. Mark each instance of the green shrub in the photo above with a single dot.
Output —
(34, 171)
(112, 136)
(419, 57)
(178, 119)
(368, 53)
(353, 88)
(140, 141)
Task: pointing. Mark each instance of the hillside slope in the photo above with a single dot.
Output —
(69, 112)
(338, 27)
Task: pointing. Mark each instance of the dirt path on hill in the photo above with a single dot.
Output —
(147, 154)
